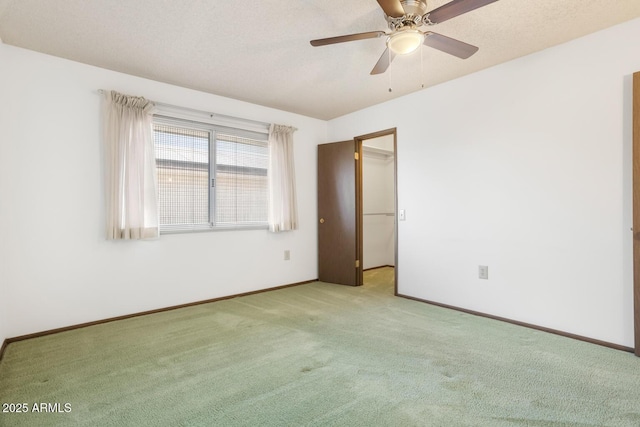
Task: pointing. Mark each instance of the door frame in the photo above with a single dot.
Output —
(636, 210)
(359, 140)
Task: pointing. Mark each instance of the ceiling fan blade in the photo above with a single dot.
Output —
(348, 38)
(384, 62)
(455, 8)
(392, 8)
(448, 45)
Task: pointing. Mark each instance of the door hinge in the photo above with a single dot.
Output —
(357, 263)
(356, 156)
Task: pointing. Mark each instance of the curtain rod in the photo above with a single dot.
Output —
(213, 115)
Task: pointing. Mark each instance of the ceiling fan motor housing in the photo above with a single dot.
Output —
(414, 7)
(415, 15)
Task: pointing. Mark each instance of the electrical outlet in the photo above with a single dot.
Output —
(287, 255)
(483, 272)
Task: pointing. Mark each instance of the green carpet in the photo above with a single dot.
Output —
(319, 355)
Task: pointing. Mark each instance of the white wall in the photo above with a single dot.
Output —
(3, 327)
(524, 167)
(58, 268)
(3, 285)
(378, 202)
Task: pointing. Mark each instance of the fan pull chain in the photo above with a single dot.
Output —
(421, 68)
(389, 69)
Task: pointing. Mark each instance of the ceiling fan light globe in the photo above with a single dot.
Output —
(405, 42)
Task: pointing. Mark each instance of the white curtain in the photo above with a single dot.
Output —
(283, 211)
(130, 169)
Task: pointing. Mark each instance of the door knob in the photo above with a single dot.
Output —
(321, 220)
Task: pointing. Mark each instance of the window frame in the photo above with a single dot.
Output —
(192, 119)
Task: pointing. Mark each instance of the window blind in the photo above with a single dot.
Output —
(182, 163)
(210, 176)
(241, 180)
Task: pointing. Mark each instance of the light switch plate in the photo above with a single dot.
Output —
(402, 215)
(483, 272)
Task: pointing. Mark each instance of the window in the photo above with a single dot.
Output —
(209, 176)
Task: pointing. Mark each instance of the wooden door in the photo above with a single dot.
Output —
(339, 211)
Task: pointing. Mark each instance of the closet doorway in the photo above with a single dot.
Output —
(379, 201)
(341, 253)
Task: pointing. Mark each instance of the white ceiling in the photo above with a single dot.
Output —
(259, 51)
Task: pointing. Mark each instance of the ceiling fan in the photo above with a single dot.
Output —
(404, 18)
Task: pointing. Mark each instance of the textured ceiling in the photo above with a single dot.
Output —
(259, 51)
